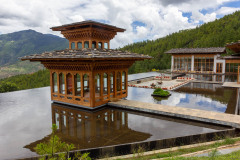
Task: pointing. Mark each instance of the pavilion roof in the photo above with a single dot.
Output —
(86, 54)
(212, 50)
(85, 24)
(233, 56)
(234, 46)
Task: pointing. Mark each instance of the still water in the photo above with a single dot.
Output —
(203, 96)
(26, 118)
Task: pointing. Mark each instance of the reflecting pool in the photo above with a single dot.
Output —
(203, 96)
(27, 116)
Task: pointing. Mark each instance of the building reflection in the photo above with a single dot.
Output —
(216, 92)
(94, 128)
(90, 129)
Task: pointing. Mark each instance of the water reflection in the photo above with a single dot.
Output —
(90, 129)
(110, 126)
(203, 96)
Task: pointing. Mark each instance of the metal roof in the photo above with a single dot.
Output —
(212, 50)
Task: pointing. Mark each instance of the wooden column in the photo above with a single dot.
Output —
(115, 84)
(76, 45)
(82, 44)
(96, 44)
(82, 85)
(91, 89)
(108, 83)
(70, 45)
(101, 86)
(58, 83)
(65, 82)
(126, 81)
(121, 82)
(108, 44)
(51, 84)
(73, 85)
(90, 43)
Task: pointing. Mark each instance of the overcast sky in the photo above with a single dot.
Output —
(142, 19)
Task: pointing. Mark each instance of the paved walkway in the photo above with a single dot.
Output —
(192, 114)
(231, 84)
(165, 84)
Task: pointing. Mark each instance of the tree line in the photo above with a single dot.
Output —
(212, 34)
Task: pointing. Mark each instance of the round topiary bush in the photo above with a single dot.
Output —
(161, 92)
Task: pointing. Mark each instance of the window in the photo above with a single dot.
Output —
(123, 80)
(182, 64)
(72, 45)
(54, 81)
(203, 64)
(93, 44)
(62, 83)
(105, 84)
(118, 81)
(86, 85)
(99, 45)
(97, 85)
(86, 44)
(77, 85)
(106, 45)
(111, 83)
(79, 44)
(69, 84)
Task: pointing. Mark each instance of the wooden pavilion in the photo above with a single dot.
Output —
(88, 74)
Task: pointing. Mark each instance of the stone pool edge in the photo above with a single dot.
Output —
(179, 112)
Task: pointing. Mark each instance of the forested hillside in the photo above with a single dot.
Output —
(25, 81)
(212, 34)
(18, 44)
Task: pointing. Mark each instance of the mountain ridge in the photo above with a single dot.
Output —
(21, 43)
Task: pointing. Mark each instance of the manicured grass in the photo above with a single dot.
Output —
(231, 156)
(171, 154)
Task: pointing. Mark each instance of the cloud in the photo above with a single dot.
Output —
(160, 18)
(226, 10)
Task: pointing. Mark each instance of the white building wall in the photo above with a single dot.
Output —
(172, 63)
(192, 63)
(219, 61)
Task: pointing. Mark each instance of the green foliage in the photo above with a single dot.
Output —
(7, 87)
(54, 145)
(28, 81)
(161, 92)
(212, 34)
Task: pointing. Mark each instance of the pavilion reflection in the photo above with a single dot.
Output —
(90, 129)
(94, 128)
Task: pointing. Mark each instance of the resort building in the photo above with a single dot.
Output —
(88, 74)
(208, 61)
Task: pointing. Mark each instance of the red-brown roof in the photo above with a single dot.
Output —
(234, 46)
(86, 24)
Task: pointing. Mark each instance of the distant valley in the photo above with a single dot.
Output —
(18, 44)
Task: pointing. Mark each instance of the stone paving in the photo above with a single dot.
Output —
(165, 84)
(231, 84)
(186, 113)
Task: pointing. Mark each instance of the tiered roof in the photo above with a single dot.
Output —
(87, 24)
(86, 54)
